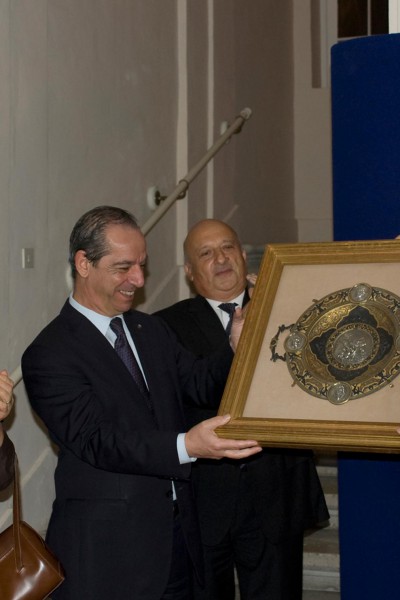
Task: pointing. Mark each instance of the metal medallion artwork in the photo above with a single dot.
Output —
(346, 345)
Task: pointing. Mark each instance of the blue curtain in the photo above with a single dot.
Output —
(366, 191)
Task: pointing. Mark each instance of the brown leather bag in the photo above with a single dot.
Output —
(28, 568)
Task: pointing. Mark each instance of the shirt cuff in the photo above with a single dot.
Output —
(183, 456)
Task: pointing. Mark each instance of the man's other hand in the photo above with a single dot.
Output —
(202, 442)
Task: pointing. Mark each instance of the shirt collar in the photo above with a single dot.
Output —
(215, 303)
(102, 322)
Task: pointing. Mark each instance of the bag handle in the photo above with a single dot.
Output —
(16, 519)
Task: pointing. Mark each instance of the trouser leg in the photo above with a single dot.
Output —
(279, 574)
(219, 572)
(179, 585)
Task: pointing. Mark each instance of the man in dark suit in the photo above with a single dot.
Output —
(108, 382)
(252, 513)
(7, 451)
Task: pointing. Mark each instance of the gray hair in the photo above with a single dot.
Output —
(89, 233)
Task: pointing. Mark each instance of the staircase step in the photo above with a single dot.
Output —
(318, 595)
(332, 502)
(333, 522)
(321, 582)
(321, 563)
(322, 546)
(328, 478)
(326, 458)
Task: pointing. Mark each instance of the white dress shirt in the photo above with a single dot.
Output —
(222, 314)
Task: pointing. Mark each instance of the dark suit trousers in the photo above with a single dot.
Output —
(179, 585)
(266, 571)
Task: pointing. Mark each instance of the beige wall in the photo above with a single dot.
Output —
(312, 139)
(264, 161)
(89, 115)
(101, 99)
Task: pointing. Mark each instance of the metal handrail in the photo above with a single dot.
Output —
(180, 190)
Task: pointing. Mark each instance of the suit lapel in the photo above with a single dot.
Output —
(87, 335)
(207, 321)
(166, 414)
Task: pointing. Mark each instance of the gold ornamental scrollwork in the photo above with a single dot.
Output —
(346, 345)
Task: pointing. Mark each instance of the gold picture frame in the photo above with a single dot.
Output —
(260, 395)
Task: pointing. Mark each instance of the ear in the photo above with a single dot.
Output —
(188, 271)
(244, 255)
(81, 263)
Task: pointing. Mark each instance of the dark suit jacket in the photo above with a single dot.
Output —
(7, 456)
(287, 493)
(111, 524)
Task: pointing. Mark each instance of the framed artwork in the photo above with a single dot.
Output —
(318, 360)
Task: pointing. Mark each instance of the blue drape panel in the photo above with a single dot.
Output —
(366, 178)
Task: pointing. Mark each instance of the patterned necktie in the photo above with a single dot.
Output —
(228, 307)
(125, 353)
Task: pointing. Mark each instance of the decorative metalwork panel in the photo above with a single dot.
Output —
(345, 345)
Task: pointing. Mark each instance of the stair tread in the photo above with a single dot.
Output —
(329, 484)
(322, 562)
(324, 540)
(327, 470)
(319, 595)
(325, 459)
(321, 559)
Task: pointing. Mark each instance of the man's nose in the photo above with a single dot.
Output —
(136, 276)
(220, 255)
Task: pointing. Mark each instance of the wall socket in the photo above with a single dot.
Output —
(28, 258)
